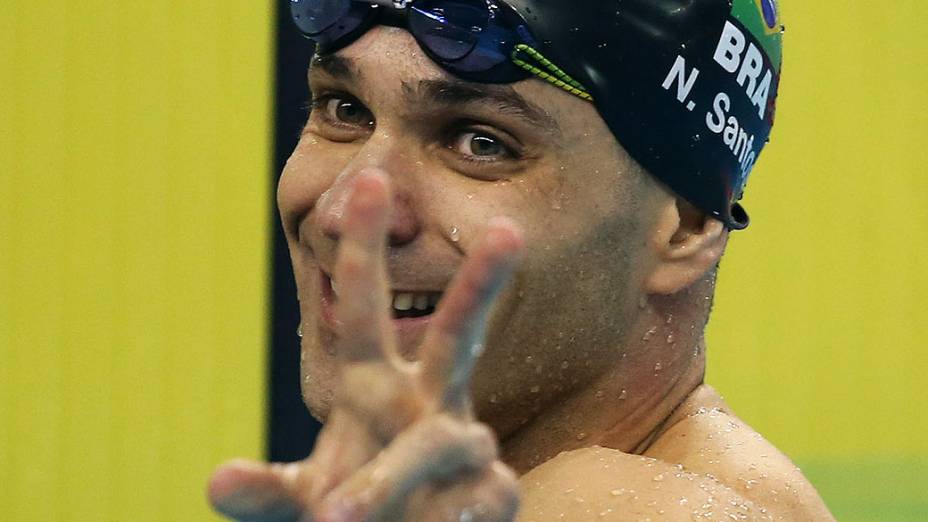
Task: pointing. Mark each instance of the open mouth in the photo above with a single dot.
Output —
(404, 304)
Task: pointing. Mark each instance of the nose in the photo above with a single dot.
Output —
(404, 224)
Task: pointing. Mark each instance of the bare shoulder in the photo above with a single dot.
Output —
(706, 465)
(706, 437)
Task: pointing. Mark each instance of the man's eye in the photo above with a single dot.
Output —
(480, 145)
(349, 112)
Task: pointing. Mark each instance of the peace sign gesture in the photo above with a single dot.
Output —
(400, 442)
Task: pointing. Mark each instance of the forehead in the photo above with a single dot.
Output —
(385, 60)
(384, 52)
(387, 65)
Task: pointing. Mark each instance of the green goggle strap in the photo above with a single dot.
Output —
(543, 68)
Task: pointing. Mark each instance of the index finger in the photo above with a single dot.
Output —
(362, 304)
(455, 339)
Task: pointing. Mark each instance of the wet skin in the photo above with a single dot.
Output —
(406, 180)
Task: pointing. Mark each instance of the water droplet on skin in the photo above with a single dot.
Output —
(494, 399)
(650, 333)
(617, 492)
(455, 234)
(600, 395)
(470, 196)
(670, 338)
(536, 389)
(669, 318)
(658, 478)
(658, 367)
(299, 330)
(565, 365)
(623, 395)
(529, 359)
(581, 436)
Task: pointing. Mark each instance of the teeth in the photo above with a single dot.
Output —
(403, 302)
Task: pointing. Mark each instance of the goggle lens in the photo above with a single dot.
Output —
(470, 38)
(449, 29)
(315, 16)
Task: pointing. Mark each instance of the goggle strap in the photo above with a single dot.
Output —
(553, 74)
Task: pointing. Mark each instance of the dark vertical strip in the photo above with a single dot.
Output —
(291, 429)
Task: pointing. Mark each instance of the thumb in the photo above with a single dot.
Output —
(256, 492)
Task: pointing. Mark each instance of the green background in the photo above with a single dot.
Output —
(134, 146)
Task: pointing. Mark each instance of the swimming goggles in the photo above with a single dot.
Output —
(485, 41)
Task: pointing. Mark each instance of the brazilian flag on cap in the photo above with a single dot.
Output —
(762, 19)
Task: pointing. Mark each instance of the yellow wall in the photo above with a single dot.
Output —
(822, 310)
(819, 333)
(134, 148)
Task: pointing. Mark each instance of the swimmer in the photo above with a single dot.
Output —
(505, 219)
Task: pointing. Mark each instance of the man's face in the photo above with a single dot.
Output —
(458, 154)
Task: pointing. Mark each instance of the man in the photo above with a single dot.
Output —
(471, 243)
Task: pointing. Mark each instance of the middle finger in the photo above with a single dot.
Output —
(455, 338)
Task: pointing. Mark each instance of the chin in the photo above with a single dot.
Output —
(318, 399)
(318, 380)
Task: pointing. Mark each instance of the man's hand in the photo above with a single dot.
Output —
(401, 442)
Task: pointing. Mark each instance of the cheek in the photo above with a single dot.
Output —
(309, 172)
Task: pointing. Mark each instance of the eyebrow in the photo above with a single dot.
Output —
(335, 66)
(445, 94)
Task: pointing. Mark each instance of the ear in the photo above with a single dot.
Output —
(686, 244)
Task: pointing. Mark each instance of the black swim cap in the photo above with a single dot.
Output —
(688, 87)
